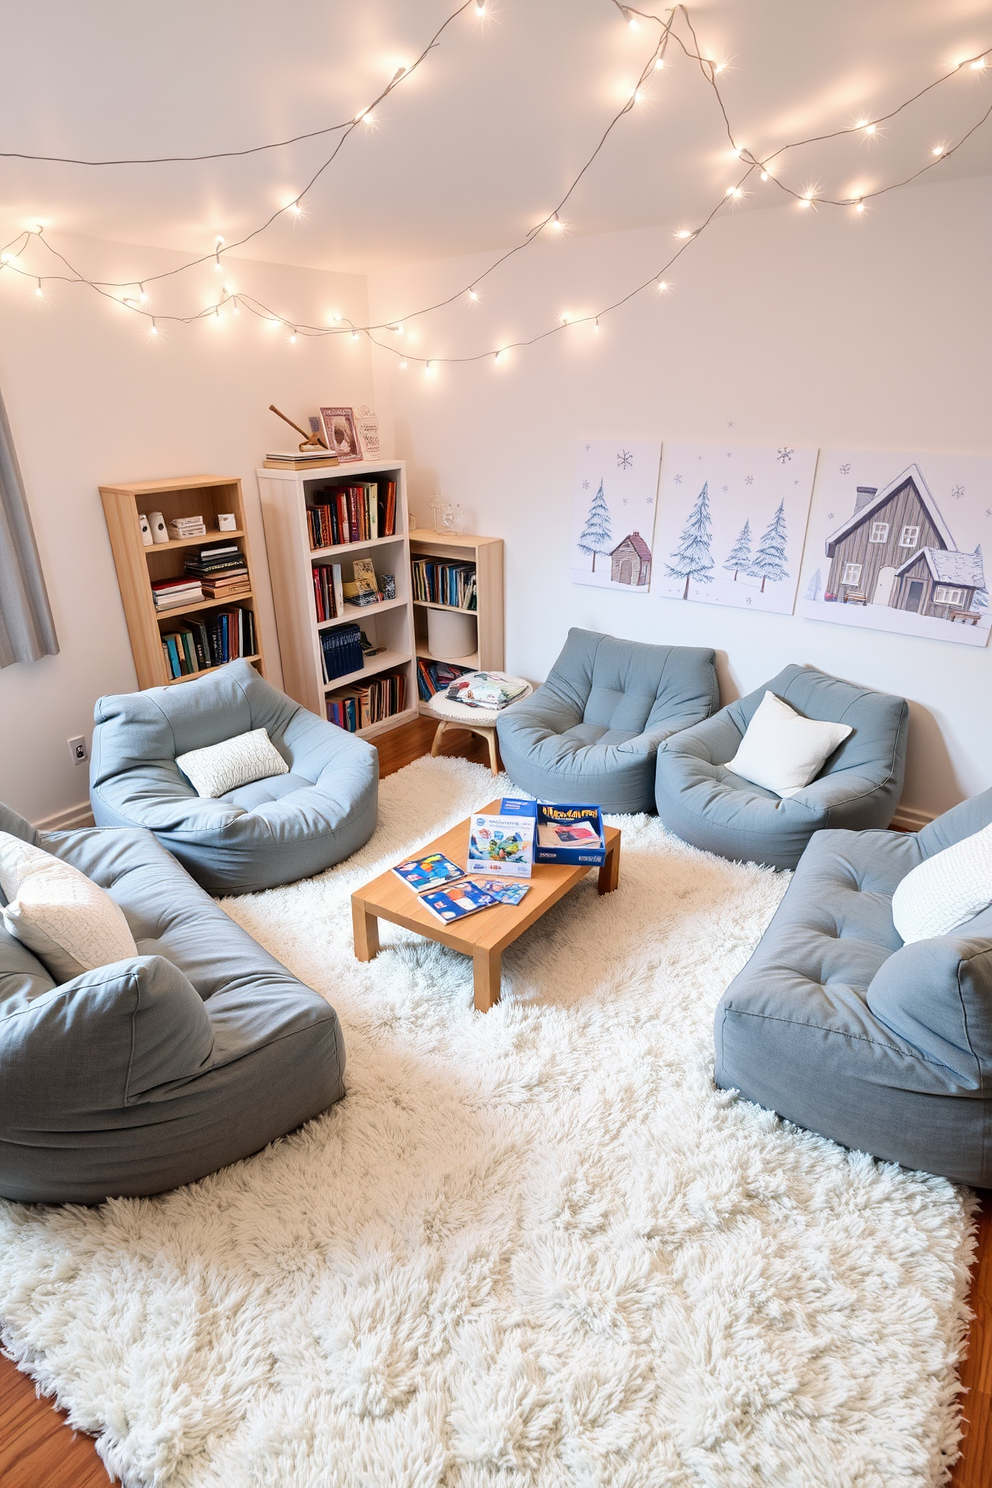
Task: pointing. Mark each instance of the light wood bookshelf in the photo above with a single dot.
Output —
(284, 495)
(487, 555)
(138, 566)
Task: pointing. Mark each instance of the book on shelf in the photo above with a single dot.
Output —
(341, 651)
(450, 584)
(457, 901)
(183, 527)
(436, 676)
(328, 591)
(356, 513)
(361, 705)
(298, 459)
(430, 872)
(168, 593)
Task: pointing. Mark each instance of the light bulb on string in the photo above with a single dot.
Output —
(683, 232)
(859, 206)
(480, 8)
(596, 324)
(978, 64)
(401, 365)
(473, 296)
(937, 150)
(662, 286)
(292, 339)
(142, 296)
(632, 20)
(153, 330)
(764, 175)
(38, 290)
(659, 63)
(354, 335)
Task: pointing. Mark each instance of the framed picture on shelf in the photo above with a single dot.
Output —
(340, 433)
(368, 431)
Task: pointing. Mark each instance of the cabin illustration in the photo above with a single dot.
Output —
(630, 561)
(897, 550)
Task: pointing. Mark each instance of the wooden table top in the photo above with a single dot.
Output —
(493, 929)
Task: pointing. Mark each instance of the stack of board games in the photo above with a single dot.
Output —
(501, 845)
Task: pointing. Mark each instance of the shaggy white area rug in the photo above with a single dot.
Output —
(531, 1248)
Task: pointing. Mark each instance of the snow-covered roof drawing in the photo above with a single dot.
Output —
(914, 474)
(950, 568)
(637, 543)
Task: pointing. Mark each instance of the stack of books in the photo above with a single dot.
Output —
(341, 651)
(167, 593)
(221, 636)
(181, 527)
(445, 583)
(328, 591)
(355, 708)
(298, 459)
(350, 514)
(221, 569)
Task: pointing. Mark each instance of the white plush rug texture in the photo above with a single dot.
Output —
(534, 1248)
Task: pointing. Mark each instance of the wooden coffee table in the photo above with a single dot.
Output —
(483, 936)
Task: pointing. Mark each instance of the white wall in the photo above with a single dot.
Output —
(783, 326)
(93, 400)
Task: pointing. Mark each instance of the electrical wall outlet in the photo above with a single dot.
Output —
(78, 752)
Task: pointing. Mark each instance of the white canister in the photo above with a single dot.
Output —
(451, 634)
(146, 531)
(160, 533)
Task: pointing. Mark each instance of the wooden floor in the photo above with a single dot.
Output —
(37, 1449)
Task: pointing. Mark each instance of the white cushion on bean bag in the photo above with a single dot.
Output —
(233, 762)
(783, 751)
(945, 891)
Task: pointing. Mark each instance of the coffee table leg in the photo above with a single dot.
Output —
(609, 874)
(366, 928)
(487, 967)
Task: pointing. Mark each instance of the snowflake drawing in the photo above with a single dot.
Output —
(748, 600)
(988, 511)
(625, 459)
(585, 485)
(749, 480)
(724, 488)
(588, 448)
(729, 453)
(730, 423)
(830, 516)
(957, 492)
(784, 455)
(624, 502)
(678, 480)
(845, 469)
(650, 501)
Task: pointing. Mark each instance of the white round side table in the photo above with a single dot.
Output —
(476, 720)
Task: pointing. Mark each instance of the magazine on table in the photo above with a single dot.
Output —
(506, 893)
(430, 872)
(457, 901)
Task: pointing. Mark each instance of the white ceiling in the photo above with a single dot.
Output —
(483, 140)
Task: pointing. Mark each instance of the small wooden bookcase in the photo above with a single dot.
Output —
(487, 555)
(285, 496)
(138, 566)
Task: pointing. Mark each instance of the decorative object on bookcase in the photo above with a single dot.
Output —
(314, 440)
(462, 574)
(160, 533)
(146, 531)
(368, 432)
(447, 515)
(450, 636)
(226, 521)
(188, 601)
(326, 536)
(340, 433)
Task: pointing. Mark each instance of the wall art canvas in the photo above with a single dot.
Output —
(616, 491)
(731, 524)
(896, 543)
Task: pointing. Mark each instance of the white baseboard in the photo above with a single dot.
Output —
(909, 819)
(67, 821)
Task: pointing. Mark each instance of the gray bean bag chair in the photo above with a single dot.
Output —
(271, 832)
(708, 805)
(839, 1027)
(591, 732)
(152, 1072)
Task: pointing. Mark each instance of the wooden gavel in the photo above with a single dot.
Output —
(309, 440)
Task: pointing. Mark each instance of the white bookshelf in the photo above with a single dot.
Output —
(284, 495)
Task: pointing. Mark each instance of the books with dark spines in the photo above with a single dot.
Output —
(430, 872)
(506, 893)
(457, 902)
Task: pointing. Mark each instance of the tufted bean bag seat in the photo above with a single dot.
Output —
(859, 786)
(153, 1071)
(273, 831)
(592, 731)
(838, 1026)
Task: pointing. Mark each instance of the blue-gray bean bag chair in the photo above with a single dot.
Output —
(271, 832)
(591, 732)
(839, 1027)
(151, 1072)
(859, 786)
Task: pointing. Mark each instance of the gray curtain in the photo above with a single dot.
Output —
(27, 630)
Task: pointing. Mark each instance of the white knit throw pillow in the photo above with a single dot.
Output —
(70, 923)
(223, 767)
(783, 751)
(945, 891)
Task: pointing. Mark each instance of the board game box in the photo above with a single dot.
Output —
(501, 846)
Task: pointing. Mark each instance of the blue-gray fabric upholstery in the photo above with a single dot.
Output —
(272, 832)
(154, 1071)
(839, 1027)
(708, 805)
(591, 732)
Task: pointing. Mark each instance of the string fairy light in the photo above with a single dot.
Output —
(709, 68)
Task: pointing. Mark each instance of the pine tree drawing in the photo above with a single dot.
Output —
(769, 560)
(692, 558)
(815, 586)
(740, 554)
(596, 536)
(981, 596)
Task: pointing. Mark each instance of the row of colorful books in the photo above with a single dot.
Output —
(328, 590)
(341, 651)
(198, 644)
(355, 708)
(435, 676)
(350, 514)
(451, 584)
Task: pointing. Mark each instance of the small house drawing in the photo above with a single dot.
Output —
(897, 550)
(630, 561)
